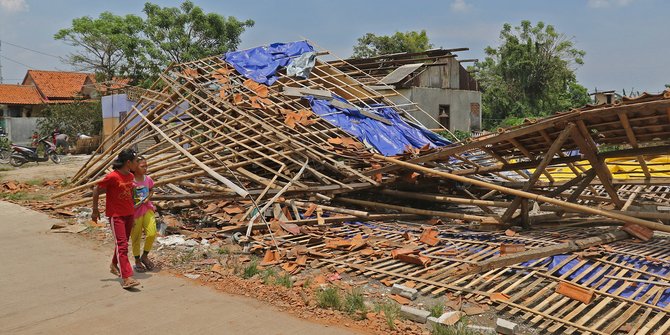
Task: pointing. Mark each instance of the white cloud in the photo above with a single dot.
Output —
(13, 6)
(460, 6)
(608, 3)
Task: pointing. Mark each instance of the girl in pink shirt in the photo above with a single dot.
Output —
(145, 218)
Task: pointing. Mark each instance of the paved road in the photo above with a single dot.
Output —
(50, 284)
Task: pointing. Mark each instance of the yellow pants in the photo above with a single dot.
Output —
(146, 222)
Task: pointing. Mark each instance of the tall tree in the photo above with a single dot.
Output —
(110, 45)
(188, 33)
(531, 73)
(371, 45)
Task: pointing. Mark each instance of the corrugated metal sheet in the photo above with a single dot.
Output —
(400, 73)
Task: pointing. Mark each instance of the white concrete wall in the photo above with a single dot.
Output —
(430, 99)
(20, 129)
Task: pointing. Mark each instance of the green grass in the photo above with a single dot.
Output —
(223, 251)
(329, 297)
(268, 275)
(391, 311)
(35, 182)
(354, 302)
(460, 328)
(250, 270)
(186, 257)
(437, 310)
(284, 280)
(22, 196)
(307, 283)
(6, 168)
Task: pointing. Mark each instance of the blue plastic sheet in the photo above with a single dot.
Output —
(635, 262)
(389, 140)
(261, 64)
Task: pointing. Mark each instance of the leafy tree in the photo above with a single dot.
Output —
(188, 33)
(371, 45)
(530, 74)
(83, 117)
(138, 48)
(110, 45)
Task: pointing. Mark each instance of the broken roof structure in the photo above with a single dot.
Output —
(276, 128)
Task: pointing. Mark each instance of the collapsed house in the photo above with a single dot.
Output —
(301, 161)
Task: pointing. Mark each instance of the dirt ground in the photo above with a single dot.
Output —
(59, 284)
(45, 170)
(218, 266)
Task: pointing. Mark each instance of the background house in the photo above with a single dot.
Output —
(21, 106)
(435, 80)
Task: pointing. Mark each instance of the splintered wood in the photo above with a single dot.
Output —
(231, 155)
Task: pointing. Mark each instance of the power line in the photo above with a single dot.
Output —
(17, 62)
(29, 49)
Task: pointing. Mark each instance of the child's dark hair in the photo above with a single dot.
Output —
(124, 156)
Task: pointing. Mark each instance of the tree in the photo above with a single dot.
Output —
(81, 117)
(371, 45)
(188, 33)
(133, 47)
(530, 74)
(110, 45)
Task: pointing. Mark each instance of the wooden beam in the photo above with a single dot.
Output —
(579, 136)
(548, 156)
(633, 142)
(410, 210)
(536, 197)
(570, 246)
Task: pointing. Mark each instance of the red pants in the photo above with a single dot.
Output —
(121, 227)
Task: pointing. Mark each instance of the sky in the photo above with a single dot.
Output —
(626, 41)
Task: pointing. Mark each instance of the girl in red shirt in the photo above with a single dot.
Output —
(119, 207)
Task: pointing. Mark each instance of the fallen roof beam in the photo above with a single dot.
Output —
(584, 209)
(529, 255)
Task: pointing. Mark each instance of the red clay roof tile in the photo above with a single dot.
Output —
(57, 84)
(19, 95)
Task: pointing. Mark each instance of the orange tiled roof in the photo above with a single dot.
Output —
(19, 95)
(57, 84)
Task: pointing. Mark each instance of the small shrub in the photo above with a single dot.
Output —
(329, 297)
(391, 311)
(307, 283)
(250, 270)
(35, 182)
(437, 310)
(284, 280)
(354, 301)
(268, 275)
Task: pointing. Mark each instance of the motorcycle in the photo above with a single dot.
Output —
(5, 147)
(23, 154)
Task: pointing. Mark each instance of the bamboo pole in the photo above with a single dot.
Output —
(356, 213)
(410, 210)
(584, 209)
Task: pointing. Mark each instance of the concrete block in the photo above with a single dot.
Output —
(482, 329)
(404, 291)
(446, 319)
(414, 314)
(506, 327)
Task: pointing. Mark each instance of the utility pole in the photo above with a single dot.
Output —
(1, 62)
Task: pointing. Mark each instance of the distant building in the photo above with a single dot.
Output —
(22, 105)
(605, 97)
(434, 80)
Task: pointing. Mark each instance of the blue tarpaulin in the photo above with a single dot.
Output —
(389, 140)
(261, 64)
